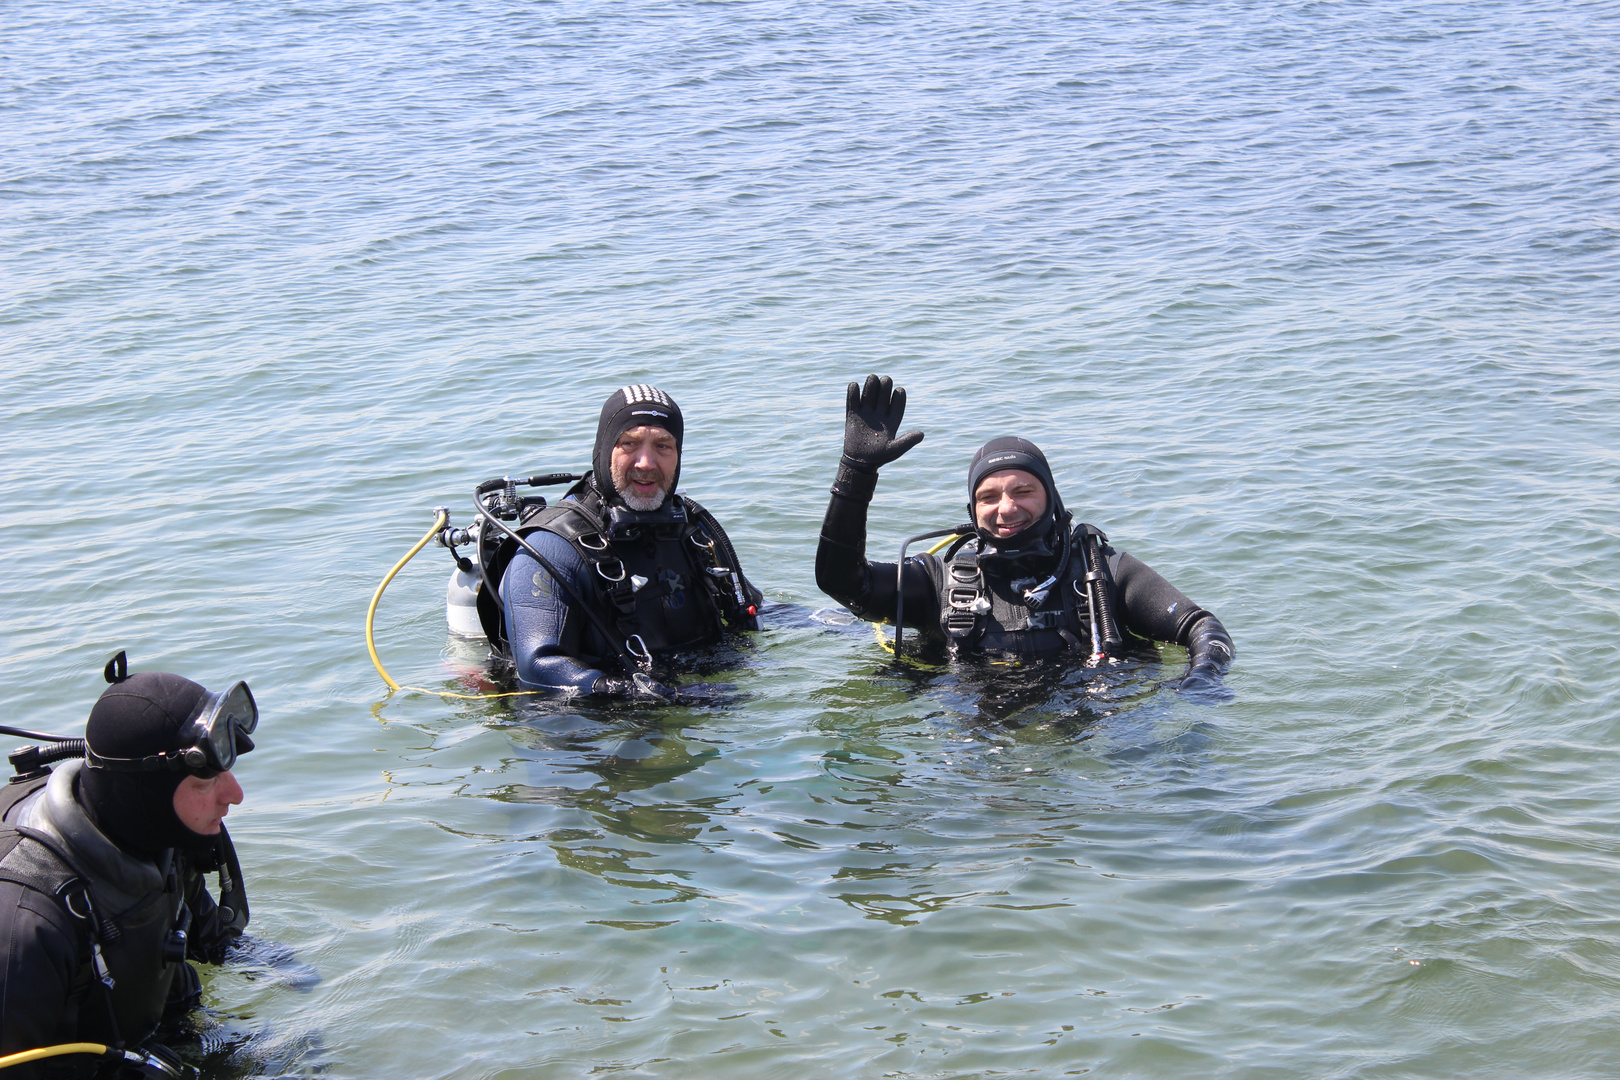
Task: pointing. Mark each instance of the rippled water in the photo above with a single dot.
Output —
(1312, 306)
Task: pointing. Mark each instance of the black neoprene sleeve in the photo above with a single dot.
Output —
(1150, 606)
(867, 588)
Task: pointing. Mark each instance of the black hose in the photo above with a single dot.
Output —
(538, 480)
(24, 733)
(625, 657)
(1097, 577)
(900, 577)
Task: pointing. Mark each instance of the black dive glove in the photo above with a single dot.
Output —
(872, 415)
(1209, 653)
(638, 687)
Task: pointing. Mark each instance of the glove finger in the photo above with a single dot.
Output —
(852, 399)
(905, 442)
(873, 393)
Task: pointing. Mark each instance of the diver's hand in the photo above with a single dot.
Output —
(1209, 654)
(638, 687)
(872, 415)
(1209, 646)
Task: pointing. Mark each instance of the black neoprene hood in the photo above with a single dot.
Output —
(631, 407)
(1011, 452)
(142, 715)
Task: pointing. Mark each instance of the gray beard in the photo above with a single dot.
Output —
(643, 503)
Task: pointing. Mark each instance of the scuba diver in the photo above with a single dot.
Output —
(1020, 580)
(102, 897)
(620, 572)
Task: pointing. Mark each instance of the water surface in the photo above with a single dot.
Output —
(1310, 305)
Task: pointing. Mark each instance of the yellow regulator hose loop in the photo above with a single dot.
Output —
(25, 1056)
(439, 519)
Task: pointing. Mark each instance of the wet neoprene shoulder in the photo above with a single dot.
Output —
(657, 583)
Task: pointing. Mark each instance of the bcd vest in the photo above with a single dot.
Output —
(661, 587)
(981, 611)
(134, 951)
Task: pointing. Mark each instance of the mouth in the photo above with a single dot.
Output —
(645, 485)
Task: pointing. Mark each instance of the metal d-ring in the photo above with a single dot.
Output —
(607, 576)
(586, 538)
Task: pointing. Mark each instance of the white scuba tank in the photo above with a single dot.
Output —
(461, 603)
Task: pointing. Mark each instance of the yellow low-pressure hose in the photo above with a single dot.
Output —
(25, 1056)
(439, 520)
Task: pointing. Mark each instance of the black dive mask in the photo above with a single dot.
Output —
(210, 743)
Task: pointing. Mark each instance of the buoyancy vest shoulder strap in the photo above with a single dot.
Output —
(42, 866)
(15, 792)
(962, 600)
(568, 519)
(34, 866)
(740, 601)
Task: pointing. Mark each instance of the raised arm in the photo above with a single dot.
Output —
(872, 417)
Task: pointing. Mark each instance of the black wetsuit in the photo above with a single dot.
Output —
(49, 993)
(649, 579)
(1144, 603)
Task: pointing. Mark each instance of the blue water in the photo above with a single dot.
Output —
(1312, 307)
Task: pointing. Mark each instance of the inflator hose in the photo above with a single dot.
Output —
(1102, 603)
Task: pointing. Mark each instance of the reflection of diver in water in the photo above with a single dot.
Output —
(1022, 581)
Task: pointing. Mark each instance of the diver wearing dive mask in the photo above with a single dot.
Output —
(102, 894)
(1021, 578)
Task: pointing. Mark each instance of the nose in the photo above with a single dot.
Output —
(229, 791)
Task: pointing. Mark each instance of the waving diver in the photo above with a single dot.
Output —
(1022, 579)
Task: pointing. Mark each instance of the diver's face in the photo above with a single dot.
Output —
(643, 465)
(1008, 502)
(201, 805)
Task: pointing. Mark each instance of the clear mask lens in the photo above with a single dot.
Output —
(230, 712)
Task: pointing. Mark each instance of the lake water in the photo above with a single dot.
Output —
(1312, 306)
